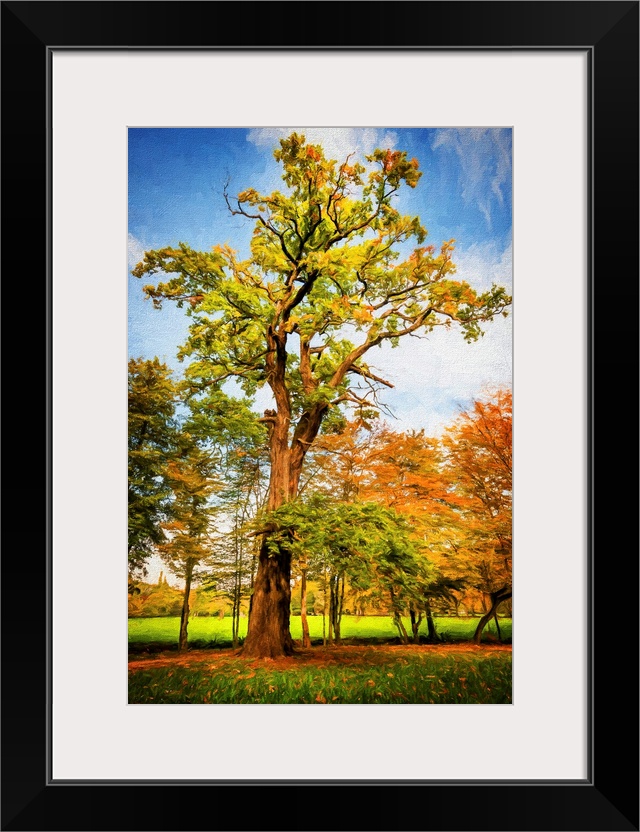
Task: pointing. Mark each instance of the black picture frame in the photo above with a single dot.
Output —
(608, 798)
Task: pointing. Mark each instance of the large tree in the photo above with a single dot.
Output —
(324, 284)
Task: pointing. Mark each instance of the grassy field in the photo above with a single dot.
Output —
(384, 674)
(216, 632)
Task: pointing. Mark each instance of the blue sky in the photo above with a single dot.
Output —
(176, 178)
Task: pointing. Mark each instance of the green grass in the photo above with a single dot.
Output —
(406, 678)
(210, 631)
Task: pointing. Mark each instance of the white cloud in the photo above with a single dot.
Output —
(338, 142)
(485, 164)
(436, 375)
(483, 264)
(135, 251)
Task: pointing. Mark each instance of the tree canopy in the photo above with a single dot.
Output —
(325, 271)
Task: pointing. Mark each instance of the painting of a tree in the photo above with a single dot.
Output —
(297, 329)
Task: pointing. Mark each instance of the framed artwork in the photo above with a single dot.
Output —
(492, 95)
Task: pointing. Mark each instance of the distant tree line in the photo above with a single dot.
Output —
(384, 522)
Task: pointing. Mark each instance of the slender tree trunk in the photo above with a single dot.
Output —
(337, 613)
(432, 635)
(334, 607)
(495, 617)
(496, 599)
(340, 608)
(235, 611)
(184, 615)
(324, 625)
(234, 625)
(324, 608)
(252, 580)
(416, 620)
(306, 639)
(330, 614)
(235, 617)
(397, 620)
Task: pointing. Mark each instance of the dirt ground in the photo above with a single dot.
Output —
(344, 655)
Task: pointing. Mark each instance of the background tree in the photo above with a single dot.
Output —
(324, 284)
(246, 499)
(151, 437)
(479, 457)
(188, 543)
(406, 472)
(155, 600)
(241, 501)
(351, 544)
(403, 471)
(333, 468)
(237, 441)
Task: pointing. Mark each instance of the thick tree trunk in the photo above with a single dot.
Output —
(496, 599)
(184, 615)
(306, 639)
(268, 636)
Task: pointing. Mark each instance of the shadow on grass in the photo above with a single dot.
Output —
(151, 648)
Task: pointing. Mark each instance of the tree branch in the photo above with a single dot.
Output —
(358, 352)
(367, 374)
(240, 210)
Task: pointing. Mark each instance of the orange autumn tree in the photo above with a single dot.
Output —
(404, 472)
(478, 450)
(408, 475)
